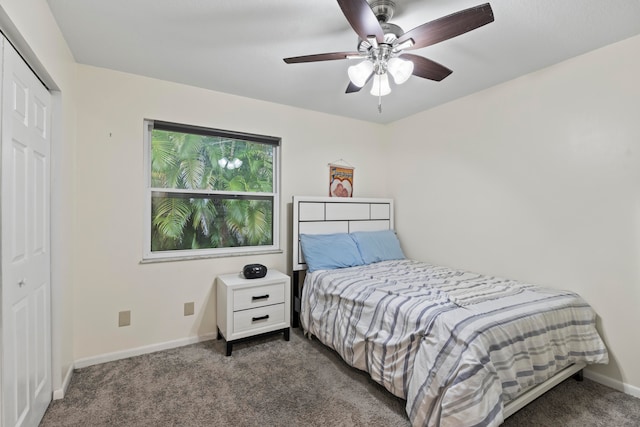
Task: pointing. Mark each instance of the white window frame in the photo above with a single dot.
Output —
(186, 254)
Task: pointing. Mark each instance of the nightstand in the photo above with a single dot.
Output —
(250, 307)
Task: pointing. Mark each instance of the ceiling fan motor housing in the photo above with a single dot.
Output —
(391, 33)
(383, 9)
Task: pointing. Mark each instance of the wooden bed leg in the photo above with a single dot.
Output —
(579, 376)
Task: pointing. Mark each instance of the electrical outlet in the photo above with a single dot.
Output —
(124, 318)
(189, 308)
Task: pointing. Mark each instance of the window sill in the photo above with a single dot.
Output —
(208, 256)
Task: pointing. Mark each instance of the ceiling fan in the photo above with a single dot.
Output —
(381, 44)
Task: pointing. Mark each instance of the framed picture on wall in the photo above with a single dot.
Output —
(340, 180)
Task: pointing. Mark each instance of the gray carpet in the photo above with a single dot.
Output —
(270, 382)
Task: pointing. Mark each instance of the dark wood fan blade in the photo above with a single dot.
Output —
(426, 68)
(352, 88)
(320, 57)
(362, 19)
(449, 26)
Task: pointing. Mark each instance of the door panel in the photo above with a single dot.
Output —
(18, 201)
(40, 200)
(26, 264)
(20, 363)
(41, 332)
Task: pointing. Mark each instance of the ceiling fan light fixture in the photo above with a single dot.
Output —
(359, 74)
(400, 69)
(380, 85)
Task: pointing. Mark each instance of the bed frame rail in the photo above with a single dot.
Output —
(533, 393)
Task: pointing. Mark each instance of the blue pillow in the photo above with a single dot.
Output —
(329, 251)
(376, 246)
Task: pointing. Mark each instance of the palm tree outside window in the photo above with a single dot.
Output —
(210, 192)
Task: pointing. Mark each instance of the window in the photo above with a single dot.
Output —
(209, 192)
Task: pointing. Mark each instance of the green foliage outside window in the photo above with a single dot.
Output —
(210, 192)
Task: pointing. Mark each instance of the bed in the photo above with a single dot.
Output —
(463, 349)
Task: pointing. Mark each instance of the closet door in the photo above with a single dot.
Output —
(25, 192)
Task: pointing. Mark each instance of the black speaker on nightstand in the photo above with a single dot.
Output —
(254, 271)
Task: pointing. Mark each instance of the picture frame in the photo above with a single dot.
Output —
(340, 180)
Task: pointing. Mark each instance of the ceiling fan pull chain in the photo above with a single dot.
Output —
(379, 103)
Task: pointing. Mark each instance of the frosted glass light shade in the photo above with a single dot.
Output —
(380, 85)
(400, 69)
(359, 74)
(223, 162)
(237, 163)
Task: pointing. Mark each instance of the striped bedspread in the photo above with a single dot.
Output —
(456, 345)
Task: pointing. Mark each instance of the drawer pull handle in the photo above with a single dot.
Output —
(256, 319)
(258, 298)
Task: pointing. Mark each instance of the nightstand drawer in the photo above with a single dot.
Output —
(258, 296)
(258, 318)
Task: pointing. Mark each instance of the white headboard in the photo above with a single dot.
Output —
(326, 215)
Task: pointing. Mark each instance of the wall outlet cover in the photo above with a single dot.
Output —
(124, 318)
(189, 308)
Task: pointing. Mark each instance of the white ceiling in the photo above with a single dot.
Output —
(237, 46)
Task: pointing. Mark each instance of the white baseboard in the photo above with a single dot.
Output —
(117, 355)
(615, 384)
(59, 394)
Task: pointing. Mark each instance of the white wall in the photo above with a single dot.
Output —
(110, 200)
(34, 24)
(537, 179)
